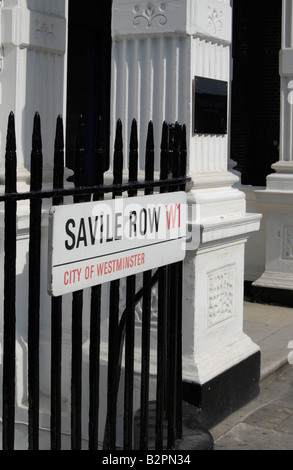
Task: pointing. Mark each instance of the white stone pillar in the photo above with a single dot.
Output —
(158, 49)
(33, 77)
(33, 41)
(278, 195)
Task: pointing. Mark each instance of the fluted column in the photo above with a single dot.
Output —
(285, 165)
(33, 77)
(277, 198)
(159, 47)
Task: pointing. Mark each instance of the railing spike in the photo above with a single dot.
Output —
(99, 162)
(183, 155)
(164, 152)
(36, 155)
(59, 136)
(37, 138)
(58, 157)
(150, 137)
(118, 137)
(149, 156)
(11, 138)
(118, 154)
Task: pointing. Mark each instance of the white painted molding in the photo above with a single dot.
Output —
(30, 29)
(211, 20)
(286, 62)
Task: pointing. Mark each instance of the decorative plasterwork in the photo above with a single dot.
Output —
(30, 29)
(211, 20)
(149, 14)
(288, 243)
(44, 33)
(215, 20)
(220, 295)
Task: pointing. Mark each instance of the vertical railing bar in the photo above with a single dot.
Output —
(56, 305)
(179, 392)
(179, 431)
(146, 309)
(183, 155)
(77, 307)
(95, 315)
(34, 287)
(172, 355)
(162, 312)
(130, 309)
(94, 377)
(173, 312)
(113, 346)
(10, 240)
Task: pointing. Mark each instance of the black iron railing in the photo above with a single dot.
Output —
(121, 328)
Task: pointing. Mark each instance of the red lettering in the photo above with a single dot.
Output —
(100, 269)
(119, 264)
(171, 215)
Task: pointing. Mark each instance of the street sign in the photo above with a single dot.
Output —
(97, 242)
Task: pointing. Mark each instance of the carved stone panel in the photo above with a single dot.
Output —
(220, 295)
(211, 20)
(288, 243)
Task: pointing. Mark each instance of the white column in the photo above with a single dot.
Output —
(158, 49)
(33, 41)
(33, 38)
(278, 195)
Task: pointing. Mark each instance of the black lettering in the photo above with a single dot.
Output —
(70, 246)
(132, 223)
(93, 233)
(143, 221)
(102, 229)
(117, 226)
(81, 234)
(154, 219)
(109, 238)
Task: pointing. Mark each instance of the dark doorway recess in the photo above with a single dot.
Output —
(255, 113)
(89, 74)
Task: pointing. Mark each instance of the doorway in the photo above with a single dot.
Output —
(89, 75)
(255, 112)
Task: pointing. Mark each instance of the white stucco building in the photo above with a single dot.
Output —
(139, 58)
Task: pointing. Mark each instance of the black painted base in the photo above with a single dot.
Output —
(194, 435)
(268, 296)
(225, 394)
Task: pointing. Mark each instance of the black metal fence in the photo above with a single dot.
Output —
(121, 327)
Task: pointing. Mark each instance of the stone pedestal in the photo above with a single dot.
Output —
(158, 50)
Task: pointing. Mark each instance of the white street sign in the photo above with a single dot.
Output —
(97, 242)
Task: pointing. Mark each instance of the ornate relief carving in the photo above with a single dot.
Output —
(154, 308)
(288, 243)
(220, 293)
(139, 305)
(44, 33)
(215, 20)
(149, 14)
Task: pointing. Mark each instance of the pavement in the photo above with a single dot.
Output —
(266, 423)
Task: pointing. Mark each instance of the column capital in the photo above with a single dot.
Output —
(36, 29)
(211, 20)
